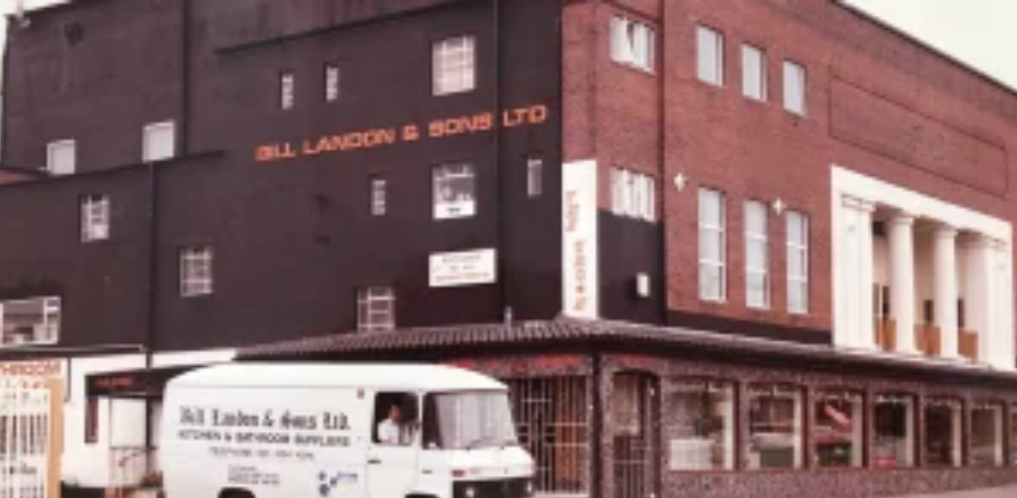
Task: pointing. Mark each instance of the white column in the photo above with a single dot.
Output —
(855, 272)
(945, 282)
(902, 281)
(980, 302)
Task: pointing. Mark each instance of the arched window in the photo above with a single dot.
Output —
(943, 432)
(838, 431)
(702, 435)
(987, 434)
(776, 412)
(893, 421)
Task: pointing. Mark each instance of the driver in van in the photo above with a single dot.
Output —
(390, 429)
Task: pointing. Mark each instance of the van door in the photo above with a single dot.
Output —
(392, 457)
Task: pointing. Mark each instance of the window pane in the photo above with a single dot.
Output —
(987, 435)
(839, 430)
(454, 192)
(943, 433)
(794, 88)
(755, 218)
(710, 46)
(711, 282)
(703, 435)
(753, 73)
(757, 292)
(454, 66)
(534, 176)
(894, 423)
(332, 79)
(30, 321)
(62, 157)
(159, 142)
(378, 197)
(710, 208)
(287, 90)
(775, 427)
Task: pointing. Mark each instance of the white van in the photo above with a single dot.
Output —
(340, 431)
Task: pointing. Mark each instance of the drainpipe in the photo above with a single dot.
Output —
(151, 317)
(664, 182)
(504, 192)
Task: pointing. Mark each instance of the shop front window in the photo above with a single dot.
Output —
(987, 435)
(838, 431)
(943, 429)
(775, 426)
(894, 427)
(702, 432)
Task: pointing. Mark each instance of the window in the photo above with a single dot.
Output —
(196, 271)
(94, 218)
(159, 142)
(757, 264)
(838, 432)
(454, 191)
(92, 420)
(753, 73)
(797, 263)
(396, 419)
(379, 191)
(703, 435)
(775, 427)
(61, 157)
(794, 88)
(455, 65)
(987, 435)
(30, 322)
(710, 55)
(894, 427)
(712, 253)
(633, 195)
(375, 309)
(632, 44)
(534, 176)
(943, 431)
(287, 90)
(333, 77)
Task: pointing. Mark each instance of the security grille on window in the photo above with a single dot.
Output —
(757, 262)
(61, 157)
(454, 191)
(196, 276)
(95, 223)
(375, 309)
(710, 55)
(632, 44)
(712, 252)
(534, 176)
(794, 87)
(159, 142)
(30, 322)
(797, 263)
(455, 65)
(378, 197)
(332, 81)
(633, 195)
(753, 73)
(287, 90)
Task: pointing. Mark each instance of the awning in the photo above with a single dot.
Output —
(133, 384)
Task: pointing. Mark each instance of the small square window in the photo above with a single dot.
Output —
(159, 142)
(196, 271)
(379, 191)
(534, 176)
(375, 309)
(95, 219)
(794, 88)
(287, 90)
(710, 55)
(454, 66)
(62, 157)
(632, 44)
(454, 191)
(753, 73)
(333, 80)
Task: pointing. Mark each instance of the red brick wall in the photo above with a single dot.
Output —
(877, 103)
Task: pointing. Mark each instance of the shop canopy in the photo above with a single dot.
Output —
(133, 384)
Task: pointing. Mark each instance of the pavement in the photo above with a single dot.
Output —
(1007, 492)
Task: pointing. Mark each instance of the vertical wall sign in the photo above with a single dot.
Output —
(581, 281)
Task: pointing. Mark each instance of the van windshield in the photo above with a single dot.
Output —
(469, 420)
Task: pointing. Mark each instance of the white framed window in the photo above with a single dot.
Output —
(333, 80)
(710, 55)
(534, 176)
(30, 322)
(794, 87)
(797, 263)
(62, 157)
(455, 65)
(379, 194)
(196, 271)
(287, 90)
(633, 195)
(753, 73)
(454, 191)
(632, 44)
(159, 142)
(375, 309)
(95, 219)
(757, 261)
(712, 242)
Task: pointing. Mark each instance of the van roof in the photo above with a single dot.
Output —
(371, 376)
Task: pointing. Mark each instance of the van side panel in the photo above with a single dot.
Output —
(297, 442)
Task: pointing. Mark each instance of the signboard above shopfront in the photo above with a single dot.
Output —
(466, 268)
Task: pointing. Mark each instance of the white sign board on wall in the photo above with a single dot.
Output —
(580, 264)
(458, 269)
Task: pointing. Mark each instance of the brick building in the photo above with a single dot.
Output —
(750, 248)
